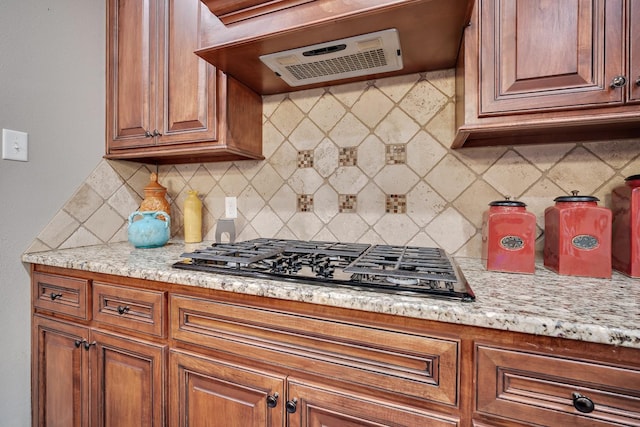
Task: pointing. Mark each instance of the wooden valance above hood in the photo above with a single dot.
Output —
(236, 33)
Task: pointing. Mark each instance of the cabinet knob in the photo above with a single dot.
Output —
(618, 81)
(156, 133)
(272, 400)
(638, 82)
(87, 344)
(582, 403)
(148, 134)
(122, 309)
(78, 343)
(291, 406)
(55, 296)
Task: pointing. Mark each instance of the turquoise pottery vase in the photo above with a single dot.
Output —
(146, 230)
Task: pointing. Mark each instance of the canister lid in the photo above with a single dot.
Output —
(575, 198)
(508, 203)
(632, 177)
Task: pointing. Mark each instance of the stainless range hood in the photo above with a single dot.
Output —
(315, 43)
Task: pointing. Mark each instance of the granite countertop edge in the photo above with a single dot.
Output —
(504, 301)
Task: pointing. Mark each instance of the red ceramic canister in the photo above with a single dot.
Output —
(625, 243)
(577, 237)
(508, 237)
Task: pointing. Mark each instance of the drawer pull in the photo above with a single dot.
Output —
(78, 343)
(87, 344)
(55, 296)
(582, 403)
(291, 406)
(122, 309)
(272, 400)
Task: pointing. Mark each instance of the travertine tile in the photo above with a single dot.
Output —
(284, 202)
(372, 107)
(474, 201)
(616, 154)
(59, 229)
(305, 181)
(304, 225)
(250, 202)
(423, 153)
(479, 159)
(397, 87)
(233, 182)
(326, 157)
(83, 203)
(104, 223)
(124, 201)
(442, 125)
(349, 94)
(325, 201)
(104, 180)
(371, 203)
(511, 175)
(80, 237)
(397, 128)
(371, 155)
(306, 99)
(271, 140)
(580, 170)
(284, 160)
(201, 180)
(349, 131)
(539, 197)
(450, 177)
(424, 204)
(267, 223)
(396, 229)
(267, 181)
(348, 227)
(451, 230)
(443, 80)
(544, 159)
(327, 112)
(396, 179)
(423, 102)
(306, 136)
(286, 117)
(348, 180)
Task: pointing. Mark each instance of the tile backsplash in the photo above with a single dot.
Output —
(363, 162)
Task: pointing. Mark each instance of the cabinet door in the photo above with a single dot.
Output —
(59, 374)
(186, 90)
(206, 392)
(318, 406)
(131, 72)
(634, 50)
(547, 54)
(128, 382)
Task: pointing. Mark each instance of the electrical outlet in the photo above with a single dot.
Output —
(230, 207)
(15, 145)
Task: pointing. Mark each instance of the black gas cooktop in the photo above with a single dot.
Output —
(409, 270)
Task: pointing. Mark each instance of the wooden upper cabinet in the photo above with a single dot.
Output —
(634, 51)
(230, 11)
(164, 103)
(546, 71)
(547, 54)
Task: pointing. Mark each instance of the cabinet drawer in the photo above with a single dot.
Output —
(133, 309)
(61, 294)
(532, 387)
(404, 363)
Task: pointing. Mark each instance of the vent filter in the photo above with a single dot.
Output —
(356, 56)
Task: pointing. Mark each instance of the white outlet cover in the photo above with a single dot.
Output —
(230, 207)
(15, 145)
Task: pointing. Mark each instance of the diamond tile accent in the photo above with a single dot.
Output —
(348, 156)
(396, 204)
(305, 159)
(347, 203)
(305, 202)
(396, 154)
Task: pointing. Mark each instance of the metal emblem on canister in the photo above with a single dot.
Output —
(585, 242)
(512, 243)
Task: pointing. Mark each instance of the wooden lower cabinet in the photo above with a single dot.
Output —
(207, 392)
(188, 356)
(322, 406)
(84, 377)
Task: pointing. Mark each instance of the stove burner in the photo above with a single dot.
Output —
(397, 269)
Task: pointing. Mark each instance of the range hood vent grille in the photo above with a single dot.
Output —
(371, 53)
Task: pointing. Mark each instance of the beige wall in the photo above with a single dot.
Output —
(366, 162)
(52, 87)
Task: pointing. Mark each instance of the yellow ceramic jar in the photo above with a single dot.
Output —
(192, 218)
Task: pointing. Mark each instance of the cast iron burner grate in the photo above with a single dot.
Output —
(408, 270)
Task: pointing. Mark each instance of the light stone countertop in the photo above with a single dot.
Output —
(595, 310)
